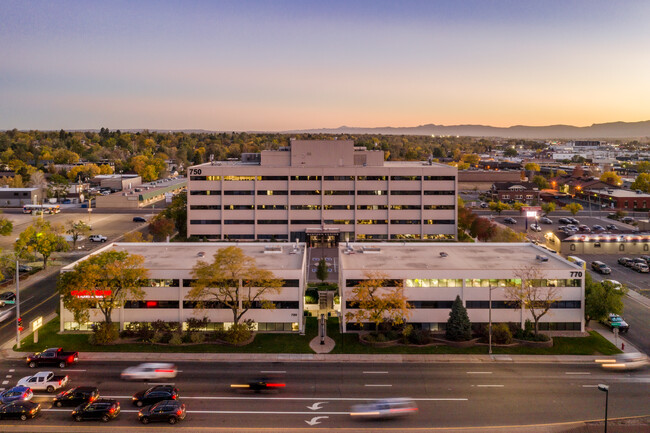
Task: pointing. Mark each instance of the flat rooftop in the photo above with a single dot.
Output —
(389, 164)
(180, 256)
(460, 256)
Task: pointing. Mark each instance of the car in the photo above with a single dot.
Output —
(509, 220)
(611, 227)
(646, 258)
(546, 220)
(260, 384)
(105, 192)
(25, 268)
(19, 409)
(536, 227)
(616, 284)
(7, 298)
(574, 221)
(100, 409)
(155, 394)
(484, 205)
(584, 228)
(139, 219)
(641, 267)
(23, 393)
(625, 361)
(600, 267)
(150, 370)
(627, 220)
(598, 228)
(564, 221)
(614, 321)
(97, 238)
(76, 396)
(387, 408)
(53, 356)
(171, 411)
(625, 261)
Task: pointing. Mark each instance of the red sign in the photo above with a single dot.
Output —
(91, 293)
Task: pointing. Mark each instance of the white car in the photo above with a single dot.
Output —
(615, 283)
(387, 408)
(535, 228)
(44, 381)
(625, 361)
(97, 238)
(150, 370)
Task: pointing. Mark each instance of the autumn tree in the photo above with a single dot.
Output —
(541, 182)
(482, 229)
(6, 225)
(233, 280)
(137, 236)
(549, 207)
(602, 298)
(531, 293)
(83, 171)
(177, 211)
(506, 234)
(642, 182)
(574, 208)
(160, 227)
(498, 206)
(531, 166)
(611, 178)
(76, 230)
(41, 238)
(375, 302)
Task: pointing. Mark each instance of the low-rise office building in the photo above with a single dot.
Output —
(170, 268)
(142, 195)
(18, 197)
(322, 192)
(433, 274)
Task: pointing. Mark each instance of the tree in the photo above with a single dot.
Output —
(105, 280)
(234, 281)
(540, 181)
(506, 234)
(498, 206)
(574, 208)
(177, 211)
(611, 178)
(77, 229)
(531, 166)
(482, 228)
(642, 182)
(511, 151)
(161, 227)
(6, 226)
(459, 328)
(601, 299)
(530, 293)
(377, 303)
(137, 237)
(548, 207)
(58, 186)
(321, 271)
(643, 167)
(42, 238)
(518, 205)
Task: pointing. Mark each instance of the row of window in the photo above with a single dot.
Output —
(317, 222)
(458, 282)
(278, 237)
(280, 305)
(441, 326)
(326, 192)
(324, 207)
(474, 304)
(300, 178)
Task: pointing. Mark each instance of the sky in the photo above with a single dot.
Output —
(289, 65)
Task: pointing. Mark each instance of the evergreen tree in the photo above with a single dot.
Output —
(459, 327)
(321, 271)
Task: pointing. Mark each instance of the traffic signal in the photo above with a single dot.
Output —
(20, 324)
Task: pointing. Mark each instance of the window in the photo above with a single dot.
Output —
(559, 326)
(387, 283)
(242, 178)
(305, 177)
(305, 207)
(372, 221)
(505, 196)
(438, 207)
(271, 221)
(405, 178)
(339, 177)
(566, 304)
(621, 247)
(398, 192)
(572, 247)
(190, 305)
(205, 207)
(404, 207)
(437, 282)
(338, 207)
(450, 192)
(430, 304)
(306, 192)
(317, 222)
(372, 207)
(238, 207)
(371, 192)
(238, 221)
(439, 221)
(151, 304)
(439, 178)
(280, 305)
(405, 221)
(157, 282)
(495, 304)
(271, 207)
(275, 177)
(205, 177)
(335, 192)
(203, 192)
(371, 177)
(200, 222)
(339, 222)
(238, 193)
(271, 192)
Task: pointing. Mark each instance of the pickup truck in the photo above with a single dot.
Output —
(44, 381)
(615, 321)
(54, 356)
(97, 238)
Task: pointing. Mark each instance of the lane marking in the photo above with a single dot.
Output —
(128, 397)
(375, 372)
(590, 386)
(376, 384)
(490, 386)
(577, 372)
(8, 376)
(4, 382)
(74, 370)
(273, 371)
(479, 372)
(12, 370)
(264, 412)
(2, 389)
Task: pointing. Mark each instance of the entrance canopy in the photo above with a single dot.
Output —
(322, 237)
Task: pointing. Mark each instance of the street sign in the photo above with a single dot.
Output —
(36, 323)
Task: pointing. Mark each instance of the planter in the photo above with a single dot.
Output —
(461, 344)
(529, 343)
(388, 343)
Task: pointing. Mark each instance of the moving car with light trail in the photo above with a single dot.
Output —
(150, 370)
(625, 361)
(260, 384)
(387, 408)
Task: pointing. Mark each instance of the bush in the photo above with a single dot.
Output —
(197, 337)
(420, 336)
(501, 333)
(238, 333)
(104, 333)
(176, 339)
(197, 324)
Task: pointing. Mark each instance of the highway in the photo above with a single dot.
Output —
(319, 395)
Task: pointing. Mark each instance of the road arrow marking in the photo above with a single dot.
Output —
(315, 419)
(317, 405)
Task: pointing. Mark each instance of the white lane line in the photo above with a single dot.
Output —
(2, 389)
(73, 370)
(490, 386)
(4, 382)
(161, 383)
(370, 384)
(479, 372)
(273, 371)
(281, 398)
(375, 372)
(11, 370)
(590, 386)
(8, 376)
(577, 372)
(68, 410)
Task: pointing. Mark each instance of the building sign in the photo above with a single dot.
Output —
(91, 293)
(37, 323)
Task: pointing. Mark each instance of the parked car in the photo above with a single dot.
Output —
(25, 268)
(171, 411)
(388, 408)
(564, 220)
(150, 370)
(598, 228)
(536, 227)
(509, 220)
(97, 238)
(641, 267)
(23, 393)
(76, 396)
(600, 267)
(155, 394)
(574, 221)
(616, 321)
(7, 298)
(584, 228)
(614, 283)
(484, 205)
(44, 381)
(627, 220)
(101, 409)
(625, 261)
(611, 227)
(19, 409)
(546, 220)
(54, 356)
(139, 219)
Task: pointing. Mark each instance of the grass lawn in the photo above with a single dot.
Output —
(595, 344)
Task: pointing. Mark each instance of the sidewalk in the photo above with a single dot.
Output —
(619, 341)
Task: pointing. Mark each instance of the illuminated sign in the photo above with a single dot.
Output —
(91, 293)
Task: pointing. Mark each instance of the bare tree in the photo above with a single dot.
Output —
(532, 294)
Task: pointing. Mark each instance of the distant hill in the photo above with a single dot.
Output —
(610, 130)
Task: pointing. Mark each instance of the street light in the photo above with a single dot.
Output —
(605, 389)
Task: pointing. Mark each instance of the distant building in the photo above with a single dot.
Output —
(510, 192)
(482, 180)
(18, 197)
(142, 195)
(117, 182)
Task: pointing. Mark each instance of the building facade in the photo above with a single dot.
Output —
(322, 190)
(18, 197)
(510, 192)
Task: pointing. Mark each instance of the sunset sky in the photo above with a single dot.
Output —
(280, 65)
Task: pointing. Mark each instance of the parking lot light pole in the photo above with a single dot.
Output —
(17, 302)
(605, 389)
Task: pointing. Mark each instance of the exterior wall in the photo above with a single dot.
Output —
(18, 197)
(621, 248)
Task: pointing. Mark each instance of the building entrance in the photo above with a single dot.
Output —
(322, 237)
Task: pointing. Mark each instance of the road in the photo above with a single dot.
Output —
(448, 395)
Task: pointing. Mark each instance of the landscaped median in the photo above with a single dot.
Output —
(594, 344)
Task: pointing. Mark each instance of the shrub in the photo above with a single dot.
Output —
(176, 339)
(104, 333)
(420, 336)
(459, 328)
(406, 333)
(197, 337)
(158, 337)
(238, 333)
(160, 326)
(501, 333)
(197, 324)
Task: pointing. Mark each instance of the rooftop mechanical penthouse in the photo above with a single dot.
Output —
(322, 192)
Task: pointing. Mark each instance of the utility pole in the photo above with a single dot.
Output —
(17, 302)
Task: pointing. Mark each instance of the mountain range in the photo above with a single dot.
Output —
(612, 130)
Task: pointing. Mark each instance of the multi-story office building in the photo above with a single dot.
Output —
(322, 192)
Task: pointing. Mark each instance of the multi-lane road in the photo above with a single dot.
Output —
(319, 395)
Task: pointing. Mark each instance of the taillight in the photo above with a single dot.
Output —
(179, 412)
(111, 410)
(275, 385)
(173, 396)
(70, 358)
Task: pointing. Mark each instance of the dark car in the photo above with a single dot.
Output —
(625, 261)
(601, 268)
(574, 221)
(546, 220)
(76, 396)
(138, 219)
(564, 220)
(155, 394)
(103, 409)
(16, 393)
(598, 228)
(171, 411)
(54, 356)
(509, 220)
(7, 298)
(611, 227)
(19, 409)
(260, 384)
